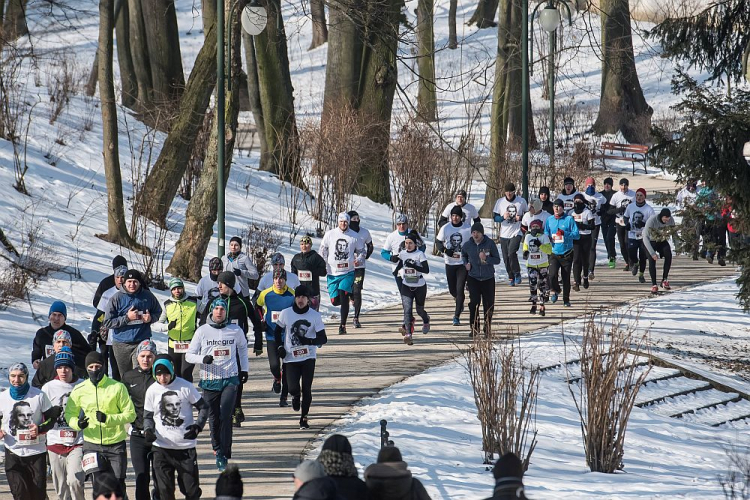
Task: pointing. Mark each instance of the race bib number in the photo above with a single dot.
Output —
(578, 217)
(275, 316)
(342, 266)
(535, 256)
(305, 275)
(558, 238)
(221, 353)
(568, 205)
(181, 347)
(410, 275)
(300, 352)
(90, 463)
(68, 436)
(25, 438)
(48, 351)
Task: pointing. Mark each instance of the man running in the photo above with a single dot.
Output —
(568, 193)
(209, 282)
(635, 217)
(450, 240)
(469, 213)
(618, 204)
(562, 231)
(103, 336)
(342, 249)
(239, 264)
(359, 268)
(582, 246)
(48, 370)
(277, 264)
(181, 315)
(43, 339)
(656, 243)
(309, 267)
(595, 202)
(480, 256)
(509, 212)
(536, 247)
(608, 227)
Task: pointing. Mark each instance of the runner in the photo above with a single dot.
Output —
(618, 204)
(450, 239)
(239, 264)
(277, 264)
(509, 211)
(582, 246)
(106, 284)
(536, 247)
(101, 407)
(714, 226)
(47, 369)
(27, 415)
(169, 426)
(219, 346)
(595, 203)
(480, 256)
(394, 243)
(103, 336)
(656, 243)
(535, 213)
(298, 334)
(689, 239)
(209, 282)
(137, 381)
(544, 197)
(42, 346)
(272, 301)
(688, 194)
(608, 227)
(310, 267)
(562, 231)
(180, 314)
(412, 266)
(635, 217)
(359, 268)
(469, 213)
(568, 193)
(342, 250)
(64, 445)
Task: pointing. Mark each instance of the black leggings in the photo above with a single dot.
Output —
(622, 238)
(220, 409)
(481, 291)
(304, 370)
(581, 255)
(592, 253)
(356, 297)
(342, 299)
(409, 296)
(561, 264)
(275, 364)
(665, 251)
(456, 276)
(638, 253)
(139, 457)
(608, 233)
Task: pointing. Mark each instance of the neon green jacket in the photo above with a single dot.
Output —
(183, 312)
(111, 398)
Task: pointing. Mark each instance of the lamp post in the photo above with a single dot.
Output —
(550, 19)
(253, 22)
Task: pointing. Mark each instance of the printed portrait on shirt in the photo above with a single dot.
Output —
(169, 407)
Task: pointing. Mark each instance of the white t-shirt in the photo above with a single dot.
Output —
(622, 200)
(537, 258)
(585, 217)
(469, 210)
(58, 391)
(393, 244)
(297, 326)
(205, 285)
(595, 203)
(453, 239)
(567, 201)
(292, 280)
(366, 238)
(18, 416)
(528, 218)
(686, 197)
(340, 249)
(638, 216)
(410, 276)
(516, 208)
(173, 412)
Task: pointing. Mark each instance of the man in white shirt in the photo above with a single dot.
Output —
(509, 211)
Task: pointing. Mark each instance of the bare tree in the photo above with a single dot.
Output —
(427, 94)
(320, 29)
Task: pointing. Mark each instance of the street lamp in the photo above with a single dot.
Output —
(253, 21)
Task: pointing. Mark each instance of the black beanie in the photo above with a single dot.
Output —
(509, 465)
(389, 454)
(229, 483)
(134, 274)
(665, 212)
(237, 239)
(227, 277)
(544, 190)
(477, 226)
(568, 180)
(118, 261)
(94, 357)
(609, 181)
(302, 291)
(456, 210)
(106, 484)
(338, 443)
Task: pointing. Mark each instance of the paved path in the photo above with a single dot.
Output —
(270, 445)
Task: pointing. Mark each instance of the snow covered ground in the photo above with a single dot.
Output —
(432, 418)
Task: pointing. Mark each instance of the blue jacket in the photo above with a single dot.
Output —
(115, 317)
(272, 302)
(569, 229)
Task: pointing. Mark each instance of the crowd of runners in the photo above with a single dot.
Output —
(92, 394)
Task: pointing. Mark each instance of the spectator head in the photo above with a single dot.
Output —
(389, 454)
(107, 487)
(229, 485)
(508, 466)
(307, 471)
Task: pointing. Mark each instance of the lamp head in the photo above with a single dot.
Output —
(254, 18)
(550, 18)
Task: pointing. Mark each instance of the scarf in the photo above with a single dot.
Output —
(18, 393)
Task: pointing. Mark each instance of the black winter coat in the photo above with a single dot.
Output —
(508, 489)
(43, 338)
(393, 481)
(350, 488)
(137, 383)
(322, 488)
(47, 372)
(310, 261)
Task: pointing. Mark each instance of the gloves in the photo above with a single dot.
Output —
(172, 324)
(394, 258)
(55, 412)
(208, 359)
(83, 421)
(243, 377)
(92, 340)
(410, 263)
(281, 352)
(237, 272)
(526, 254)
(192, 432)
(258, 348)
(150, 435)
(101, 417)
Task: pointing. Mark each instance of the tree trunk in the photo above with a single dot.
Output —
(514, 80)
(378, 84)
(253, 90)
(139, 51)
(116, 230)
(320, 29)
(343, 64)
(484, 15)
(622, 106)
(163, 181)
(14, 24)
(427, 95)
(129, 90)
(208, 13)
(201, 214)
(452, 36)
(277, 96)
(165, 59)
(94, 74)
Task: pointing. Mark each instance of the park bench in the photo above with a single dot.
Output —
(616, 151)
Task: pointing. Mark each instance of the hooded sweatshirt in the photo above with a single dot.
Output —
(393, 481)
(655, 230)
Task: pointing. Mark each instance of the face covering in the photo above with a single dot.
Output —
(590, 190)
(18, 393)
(300, 310)
(579, 208)
(96, 376)
(354, 226)
(535, 231)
